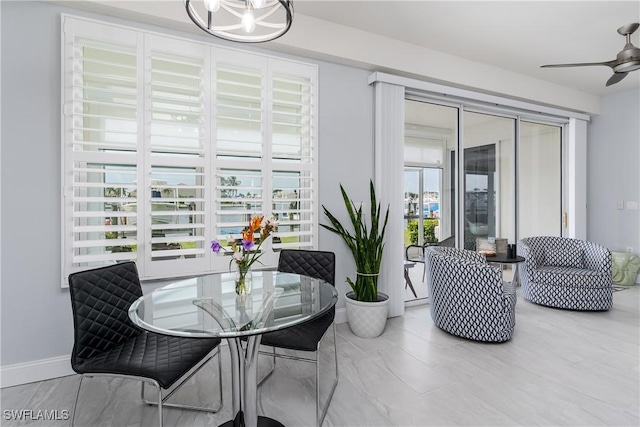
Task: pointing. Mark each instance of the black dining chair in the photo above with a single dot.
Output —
(415, 253)
(307, 336)
(107, 343)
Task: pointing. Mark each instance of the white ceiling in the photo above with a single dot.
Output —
(518, 36)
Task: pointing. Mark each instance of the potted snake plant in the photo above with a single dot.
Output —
(367, 309)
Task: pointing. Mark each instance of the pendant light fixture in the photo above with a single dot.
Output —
(246, 21)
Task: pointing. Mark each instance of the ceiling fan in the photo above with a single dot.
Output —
(628, 59)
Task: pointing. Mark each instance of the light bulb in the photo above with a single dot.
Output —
(212, 5)
(257, 4)
(248, 20)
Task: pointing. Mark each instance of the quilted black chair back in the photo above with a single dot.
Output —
(317, 264)
(100, 300)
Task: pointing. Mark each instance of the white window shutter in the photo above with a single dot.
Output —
(169, 144)
(176, 157)
(240, 163)
(100, 146)
(294, 154)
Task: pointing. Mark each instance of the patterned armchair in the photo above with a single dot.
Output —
(467, 296)
(566, 273)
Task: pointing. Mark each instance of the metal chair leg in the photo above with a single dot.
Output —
(143, 380)
(320, 413)
(75, 404)
(189, 407)
(318, 388)
(161, 421)
(273, 366)
(320, 417)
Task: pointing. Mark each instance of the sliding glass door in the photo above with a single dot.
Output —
(494, 200)
(488, 178)
(539, 180)
(471, 176)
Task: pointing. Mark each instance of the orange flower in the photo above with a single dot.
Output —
(247, 235)
(255, 223)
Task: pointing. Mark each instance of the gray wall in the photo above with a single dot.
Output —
(35, 311)
(613, 175)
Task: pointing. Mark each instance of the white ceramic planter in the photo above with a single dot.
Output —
(367, 319)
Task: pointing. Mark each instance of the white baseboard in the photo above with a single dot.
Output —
(37, 370)
(341, 315)
(413, 303)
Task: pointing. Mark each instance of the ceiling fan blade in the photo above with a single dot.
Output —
(616, 78)
(579, 64)
(628, 59)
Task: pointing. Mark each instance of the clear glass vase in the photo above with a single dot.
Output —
(243, 281)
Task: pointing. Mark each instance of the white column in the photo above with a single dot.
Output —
(388, 180)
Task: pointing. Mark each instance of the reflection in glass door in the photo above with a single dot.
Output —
(539, 180)
(488, 179)
(488, 201)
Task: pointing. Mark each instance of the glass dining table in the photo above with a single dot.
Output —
(208, 306)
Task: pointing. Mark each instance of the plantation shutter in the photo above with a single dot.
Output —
(170, 143)
(239, 100)
(293, 156)
(176, 156)
(101, 145)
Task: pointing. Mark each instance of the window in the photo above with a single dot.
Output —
(169, 144)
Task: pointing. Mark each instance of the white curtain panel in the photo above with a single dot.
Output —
(388, 172)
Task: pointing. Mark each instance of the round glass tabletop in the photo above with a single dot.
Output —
(208, 305)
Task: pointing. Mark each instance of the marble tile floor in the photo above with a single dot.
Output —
(562, 368)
